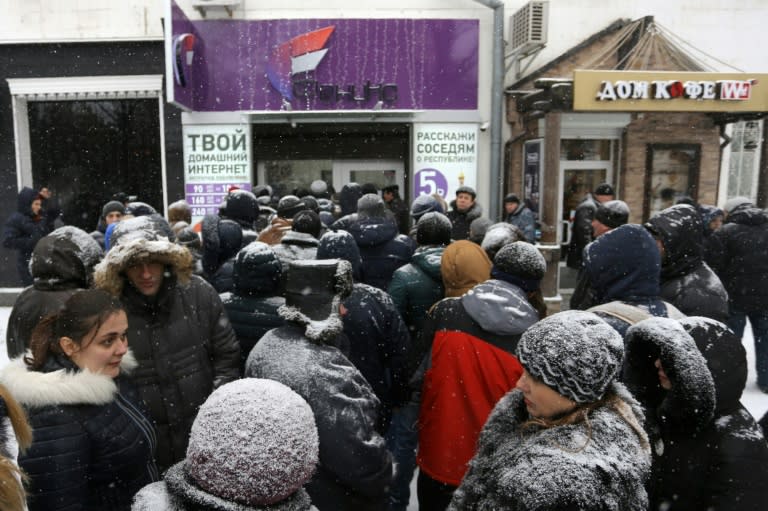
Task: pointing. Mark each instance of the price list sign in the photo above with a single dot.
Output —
(217, 158)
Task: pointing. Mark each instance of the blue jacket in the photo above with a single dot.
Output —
(382, 248)
(23, 230)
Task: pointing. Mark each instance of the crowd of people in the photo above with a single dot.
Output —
(311, 351)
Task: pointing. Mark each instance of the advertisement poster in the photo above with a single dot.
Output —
(532, 170)
(444, 158)
(217, 158)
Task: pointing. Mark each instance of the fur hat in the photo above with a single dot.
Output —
(575, 353)
(466, 189)
(289, 205)
(612, 213)
(139, 209)
(112, 206)
(240, 206)
(604, 189)
(308, 222)
(316, 287)
(179, 211)
(424, 204)
(498, 235)
(257, 269)
(311, 203)
(521, 264)
(433, 229)
(735, 202)
(267, 465)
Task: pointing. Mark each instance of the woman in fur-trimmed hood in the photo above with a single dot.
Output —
(569, 437)
(85, 414)
(355, 466)
(179, 331)
(708, 452)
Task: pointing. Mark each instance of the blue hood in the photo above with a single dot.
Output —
(373, 231)
(624, 264)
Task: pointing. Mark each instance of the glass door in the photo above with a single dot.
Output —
(379, 172)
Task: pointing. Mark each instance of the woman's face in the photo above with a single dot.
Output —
(37, 205)
(663, 378)
(541, 401)
(103, 349)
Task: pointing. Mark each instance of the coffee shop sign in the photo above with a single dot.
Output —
(725, 90)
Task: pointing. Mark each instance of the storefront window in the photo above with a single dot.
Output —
(578, 149)
(672, 173)
(744, 161)
(85, 151)
(287, 176)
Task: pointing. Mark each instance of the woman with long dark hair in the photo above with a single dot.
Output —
(93, 445)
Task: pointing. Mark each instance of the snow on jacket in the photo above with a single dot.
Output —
(471, 366)
(736, 252)
(252, 305)
(624, 265)
(708, 451)
(686, 280)
(181, 337)
(355, 466)
(581, 231)
(378, 343)
(382, 248)
(460, 220)
(93, 445)
(417, 286)
(599, 465)
(61, 263)
(523, 218)
(22, 231)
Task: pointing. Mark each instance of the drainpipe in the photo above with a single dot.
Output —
(497, 106)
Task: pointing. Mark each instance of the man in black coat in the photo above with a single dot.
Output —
(464, 209)
(398, 207)
(581, 232)
(737, 252)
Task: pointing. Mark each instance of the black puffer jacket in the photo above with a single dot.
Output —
(252, 305)
(93, 444)
(382, 248)
(460, 220)
(23, 230)
(181, 337)
(581, 231)
(686, 280)
(737, 252)
(222, 239)
(708, 451)
(355, 466)
(61, 263)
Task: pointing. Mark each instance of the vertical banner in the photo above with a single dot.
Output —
(532, 169)
(444, 158)
(217, 158)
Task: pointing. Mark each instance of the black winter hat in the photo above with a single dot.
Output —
(311, 203)
(511, 197)
(112, 206)
(139, 209)
(369, 188)
(315, 287)
(433, 229)
(189, 238)
(573, 352)
(612, 213)
(466, 189)
(256, 268)
(519, 263)
(240, 206)
(604, 189)
(424, 204)
(370, 205)
(390, 188)
(262, 191)
(289, 205)
(308, 222)
(341, 245)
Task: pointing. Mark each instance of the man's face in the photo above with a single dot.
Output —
(603, 198)
(510, 207)
(464, 201)
(146, 277)
(388, 196)
(112, 217)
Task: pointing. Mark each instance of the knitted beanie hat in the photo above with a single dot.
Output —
(433, 229)
(112, 206)
(424, 204)
(612, 213)
(575, 353)
(519, 263)
(254, 442)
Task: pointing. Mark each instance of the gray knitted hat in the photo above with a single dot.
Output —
(575, 353)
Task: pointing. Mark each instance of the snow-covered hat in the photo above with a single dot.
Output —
(289, 205)
(253, 442)
(319, 188)
(370, 205)
(316, 287)
(519, 263)
(433, 229)
(735, 202)
(575, 353)
(612, 213)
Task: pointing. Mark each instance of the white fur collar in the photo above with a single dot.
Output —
(37, 389)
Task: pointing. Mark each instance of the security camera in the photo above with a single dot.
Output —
(484, 126)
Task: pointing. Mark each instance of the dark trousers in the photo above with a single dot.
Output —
(433, 495)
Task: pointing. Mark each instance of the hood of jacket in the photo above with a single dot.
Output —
(463, 265)
(256, 270)
(499, 307)
(690, 404)
(62, 386)
(24, 200)
(136, 240)
(373, 231)
(64, 259)
(427, 259)
(681, 232)
(747, 215)
(623, 264)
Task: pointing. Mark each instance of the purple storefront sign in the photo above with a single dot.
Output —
(325, 64)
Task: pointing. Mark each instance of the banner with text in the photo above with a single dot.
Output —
(444, 158)
(217, 158)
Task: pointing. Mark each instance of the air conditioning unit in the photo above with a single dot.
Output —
(528, 27)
